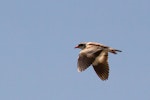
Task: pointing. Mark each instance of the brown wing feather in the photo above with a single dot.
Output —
(86, 59)
(101, 66)
(102, 71)
(84, 62)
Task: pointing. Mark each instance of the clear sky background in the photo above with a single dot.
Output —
(37, 56)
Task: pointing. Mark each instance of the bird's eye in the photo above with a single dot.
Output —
(81, 44)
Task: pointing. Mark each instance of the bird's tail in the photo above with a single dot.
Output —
(114, 51)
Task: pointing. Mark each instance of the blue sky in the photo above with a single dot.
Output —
(38, 59)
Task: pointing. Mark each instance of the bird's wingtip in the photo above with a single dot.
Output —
(78, 70)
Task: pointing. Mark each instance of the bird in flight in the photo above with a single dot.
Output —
(95, 54)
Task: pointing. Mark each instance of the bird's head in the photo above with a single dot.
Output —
(81, 46)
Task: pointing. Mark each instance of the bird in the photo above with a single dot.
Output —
(95, 54)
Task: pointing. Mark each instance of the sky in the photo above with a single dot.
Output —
(37, 56)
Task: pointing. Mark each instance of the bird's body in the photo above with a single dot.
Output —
(95, 54)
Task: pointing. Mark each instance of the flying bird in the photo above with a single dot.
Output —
(95, 54)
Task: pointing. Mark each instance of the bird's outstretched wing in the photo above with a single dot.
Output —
(86, 58)
(101, 66)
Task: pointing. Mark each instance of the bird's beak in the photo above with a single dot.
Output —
(76, 47)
